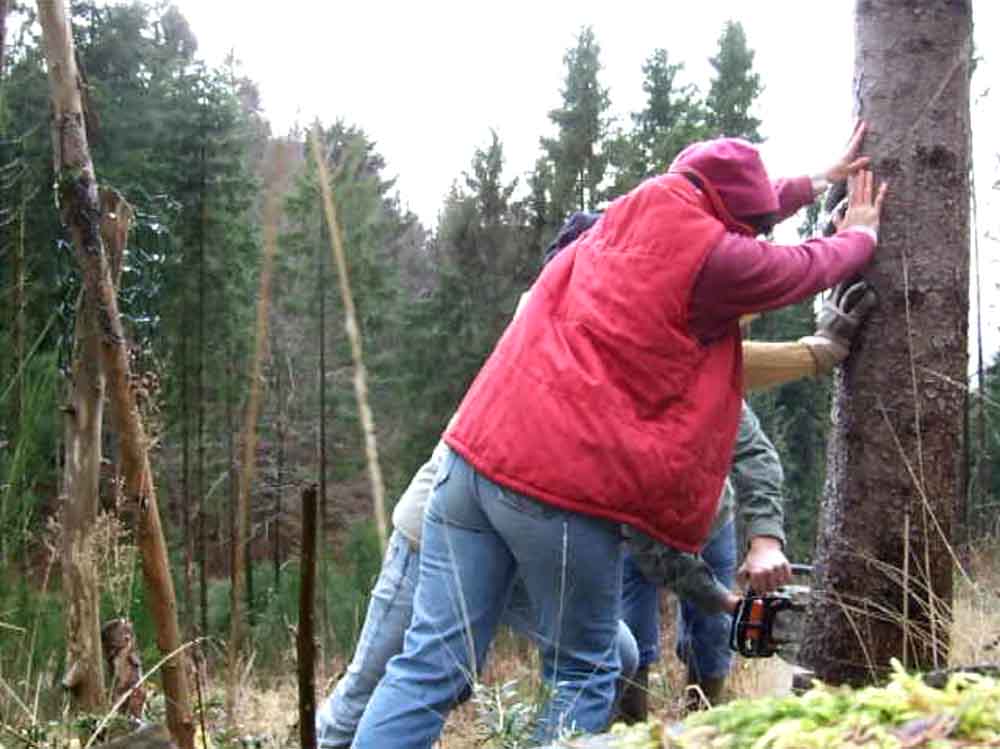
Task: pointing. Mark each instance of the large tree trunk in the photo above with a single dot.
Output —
(84, 415)
(895, 450)
(77, 192)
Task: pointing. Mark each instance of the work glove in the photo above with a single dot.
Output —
(838, 322)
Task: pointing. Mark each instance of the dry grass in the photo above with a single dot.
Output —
(975, 632)
(268, 714)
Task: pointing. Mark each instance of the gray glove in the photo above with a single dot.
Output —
(838, 322)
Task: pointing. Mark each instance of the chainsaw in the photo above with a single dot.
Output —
(768, 624)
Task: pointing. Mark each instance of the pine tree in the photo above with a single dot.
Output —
(673, 117)
(485, 258)
(734, 87)
(576, 154)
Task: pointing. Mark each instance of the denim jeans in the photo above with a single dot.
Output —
(389, 612)
(703, 640)
(641, 612)
(477, 537)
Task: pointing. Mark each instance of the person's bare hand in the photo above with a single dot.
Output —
(850, 163)
(765, 566)
(732, 603)
(864, 204)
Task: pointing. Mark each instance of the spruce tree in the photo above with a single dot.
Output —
(576, 153)
(734, 88)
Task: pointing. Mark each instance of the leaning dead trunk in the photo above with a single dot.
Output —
(895, 451)
(76, 187)
(84, 414)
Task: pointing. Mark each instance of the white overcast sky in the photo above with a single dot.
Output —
(427, 80)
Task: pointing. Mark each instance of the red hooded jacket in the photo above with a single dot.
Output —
(599, 398)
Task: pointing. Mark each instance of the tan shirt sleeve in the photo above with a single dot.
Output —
(767, 364)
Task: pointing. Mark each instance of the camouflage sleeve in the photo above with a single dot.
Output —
(758, 480)
(687, 575)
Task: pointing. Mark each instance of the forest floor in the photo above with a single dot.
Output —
(270, 704)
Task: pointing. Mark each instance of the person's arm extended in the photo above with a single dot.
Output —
(758, 480)
(767, 364)
(687, 575)
(743, 275)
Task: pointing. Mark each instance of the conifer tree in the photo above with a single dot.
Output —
(734, 88)
(576, 154)
(673, 117)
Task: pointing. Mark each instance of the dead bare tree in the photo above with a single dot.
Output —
(895, 450)
(76, 186)
(83, 427)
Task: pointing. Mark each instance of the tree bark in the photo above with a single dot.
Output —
(77, 194)
(895, 452)
(84, 418)
(305, 640)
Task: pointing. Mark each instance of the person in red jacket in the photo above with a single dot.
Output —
(614, 397)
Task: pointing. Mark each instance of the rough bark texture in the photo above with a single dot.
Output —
(895, 450)
(305, 640)
(77, 194)
(84, 415)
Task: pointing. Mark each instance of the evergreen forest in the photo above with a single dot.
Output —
(232, 405)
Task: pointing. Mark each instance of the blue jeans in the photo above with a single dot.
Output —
(477, 536)
(389, 612)
(641, 612)
(703, 640)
